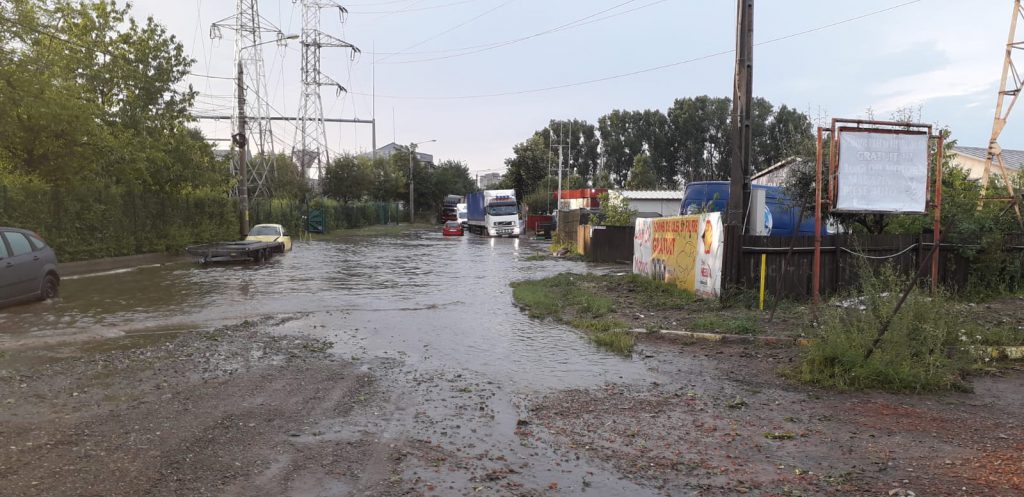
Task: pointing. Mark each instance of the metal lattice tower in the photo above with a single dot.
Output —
(249, 29)
(1009, 89)
(312, 153)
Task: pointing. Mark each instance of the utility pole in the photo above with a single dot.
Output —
(739, 171)
(568, 163)
(412, 205)
(558, 205)
(243, 173)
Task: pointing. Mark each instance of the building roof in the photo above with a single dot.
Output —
(392, 147)
(651, 194)
(1014, 159)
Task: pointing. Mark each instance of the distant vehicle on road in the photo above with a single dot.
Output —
(462, 216)
(450, 209)
(452, 228)
(271, 233)
(494, 213)
(28, 267)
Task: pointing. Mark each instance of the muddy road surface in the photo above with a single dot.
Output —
(398, 365)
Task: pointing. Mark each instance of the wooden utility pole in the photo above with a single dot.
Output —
(243, 173)
(739, 172)
(412, 206)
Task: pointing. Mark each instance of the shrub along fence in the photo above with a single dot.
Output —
(94, 221)
(842, 256)
(336, 215)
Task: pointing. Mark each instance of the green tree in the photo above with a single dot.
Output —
(528, 165)
(615, 211)
(641, 177)
(348, 178)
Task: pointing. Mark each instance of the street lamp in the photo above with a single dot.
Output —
(412, 154)
(240, 140)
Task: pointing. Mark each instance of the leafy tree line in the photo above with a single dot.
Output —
(648, 149)
(97, 152)
(386, 179)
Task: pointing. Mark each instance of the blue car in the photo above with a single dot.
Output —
(28, 267)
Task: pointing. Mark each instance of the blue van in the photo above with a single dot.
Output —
(713, 196)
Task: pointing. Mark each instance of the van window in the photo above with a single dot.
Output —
(19, 244)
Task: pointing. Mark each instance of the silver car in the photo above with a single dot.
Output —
(28, 267)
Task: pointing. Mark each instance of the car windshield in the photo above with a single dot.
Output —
(264, 231)
(451, 224)
(462, 214)
(502, 210)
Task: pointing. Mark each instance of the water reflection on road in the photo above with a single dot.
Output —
(432, 317)
(429, 298)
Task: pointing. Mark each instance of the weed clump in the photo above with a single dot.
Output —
(928, 345)
(618, 341)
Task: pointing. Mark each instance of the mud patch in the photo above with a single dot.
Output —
(232, 411)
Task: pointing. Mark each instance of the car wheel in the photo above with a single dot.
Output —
(50, 288)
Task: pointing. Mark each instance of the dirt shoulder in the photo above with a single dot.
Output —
(737, 428)
(226, 412)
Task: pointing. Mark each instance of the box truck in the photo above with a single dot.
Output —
(493, 213)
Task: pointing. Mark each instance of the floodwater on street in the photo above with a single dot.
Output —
(432, 316)
(444, 300)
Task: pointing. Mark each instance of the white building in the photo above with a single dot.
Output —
(485, 181)
(392, 147)
(972, 160)
(663, 202)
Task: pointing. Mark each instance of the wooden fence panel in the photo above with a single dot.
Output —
(842, 257)
(610, 244)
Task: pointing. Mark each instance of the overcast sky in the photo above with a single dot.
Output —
(942, 55)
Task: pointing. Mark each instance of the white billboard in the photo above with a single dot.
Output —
(882, 172)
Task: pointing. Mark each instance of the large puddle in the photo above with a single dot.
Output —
(433, 301)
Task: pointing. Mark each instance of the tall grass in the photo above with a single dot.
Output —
(926, 348)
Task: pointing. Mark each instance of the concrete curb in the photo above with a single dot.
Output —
(726, 338)
(92, 266)
(1013, 353)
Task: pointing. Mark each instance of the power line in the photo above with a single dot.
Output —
(641, 71)
(453, 28)
(583, 21)
(417, 9)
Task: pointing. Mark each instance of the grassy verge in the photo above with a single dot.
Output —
(929, 345)
(571, 299)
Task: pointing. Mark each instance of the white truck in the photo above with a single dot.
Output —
(493, 213)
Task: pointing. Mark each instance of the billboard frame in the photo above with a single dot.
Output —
(883, 127)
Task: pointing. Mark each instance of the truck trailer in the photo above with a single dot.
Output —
(493, 213)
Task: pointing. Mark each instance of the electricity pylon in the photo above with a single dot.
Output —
(1009, 86)
(249, 29)
(312, 153)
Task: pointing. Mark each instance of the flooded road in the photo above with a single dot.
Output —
(433, 299)
(397, 365)
(431, 317)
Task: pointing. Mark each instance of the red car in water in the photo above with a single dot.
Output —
(452, 228)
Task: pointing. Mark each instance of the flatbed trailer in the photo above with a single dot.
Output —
(240, 251)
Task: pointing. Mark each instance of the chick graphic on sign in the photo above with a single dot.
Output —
(707, 236)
